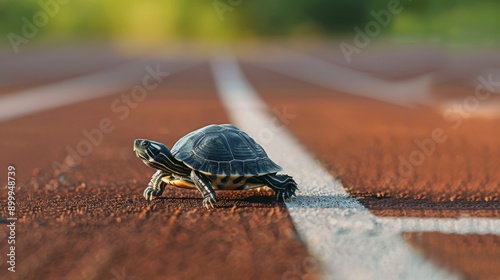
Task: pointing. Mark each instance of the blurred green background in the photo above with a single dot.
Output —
(450, 21)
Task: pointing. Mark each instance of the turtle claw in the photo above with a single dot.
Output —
(150, 192)
(284, 195)
(208, 202)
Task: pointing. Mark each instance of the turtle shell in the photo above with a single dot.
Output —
(223, 150)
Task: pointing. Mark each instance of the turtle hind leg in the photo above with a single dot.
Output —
(283, 185)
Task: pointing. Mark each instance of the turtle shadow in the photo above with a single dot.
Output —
(259, 199)
(256, 201)
(248, 202)
(174, 198)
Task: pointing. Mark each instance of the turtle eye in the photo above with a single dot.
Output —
(144, 144)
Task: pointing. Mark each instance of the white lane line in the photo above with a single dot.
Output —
(329, 75)
(455, 226)
(82, 88)
(482, 109)
(64, 61)
(482, 100)
(339, 231)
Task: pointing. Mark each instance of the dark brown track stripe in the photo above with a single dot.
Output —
(407, 207)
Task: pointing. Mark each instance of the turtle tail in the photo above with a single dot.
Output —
(283, 185)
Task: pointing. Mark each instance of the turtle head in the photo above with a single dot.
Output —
(151, 152)
(157, 155)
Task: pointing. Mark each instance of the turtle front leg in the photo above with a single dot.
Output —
(156, 185)
(203, 185)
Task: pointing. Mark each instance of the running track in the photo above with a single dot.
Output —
(338, 129)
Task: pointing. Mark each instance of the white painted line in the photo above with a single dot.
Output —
(329, 75)
(488, 109)
(31, 66)
(80, 89)
(339, 231)
(482, 104)
(455, 226)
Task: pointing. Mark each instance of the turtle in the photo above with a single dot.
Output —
(214, 157)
